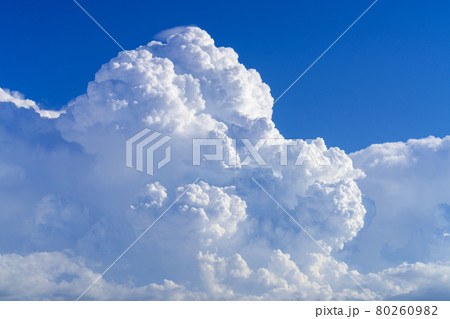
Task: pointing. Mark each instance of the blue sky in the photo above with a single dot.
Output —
(386, 80)
(69, 205)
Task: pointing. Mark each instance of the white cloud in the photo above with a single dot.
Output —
(18, 100)
(57, 276)
(407, 184)
(165, 34)
(418, 281)
(333, 212)
(228, 237)
(217, 212)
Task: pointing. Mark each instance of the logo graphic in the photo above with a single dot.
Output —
(141, 150)
(307, 150)
(145, 144)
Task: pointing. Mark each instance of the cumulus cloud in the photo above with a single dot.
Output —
(407, 183)
(224, 238)
(418, 281)
(18, 100)
(218, 212)
(334, 213)
(59, 276)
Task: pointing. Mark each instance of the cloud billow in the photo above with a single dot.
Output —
(224, 239)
